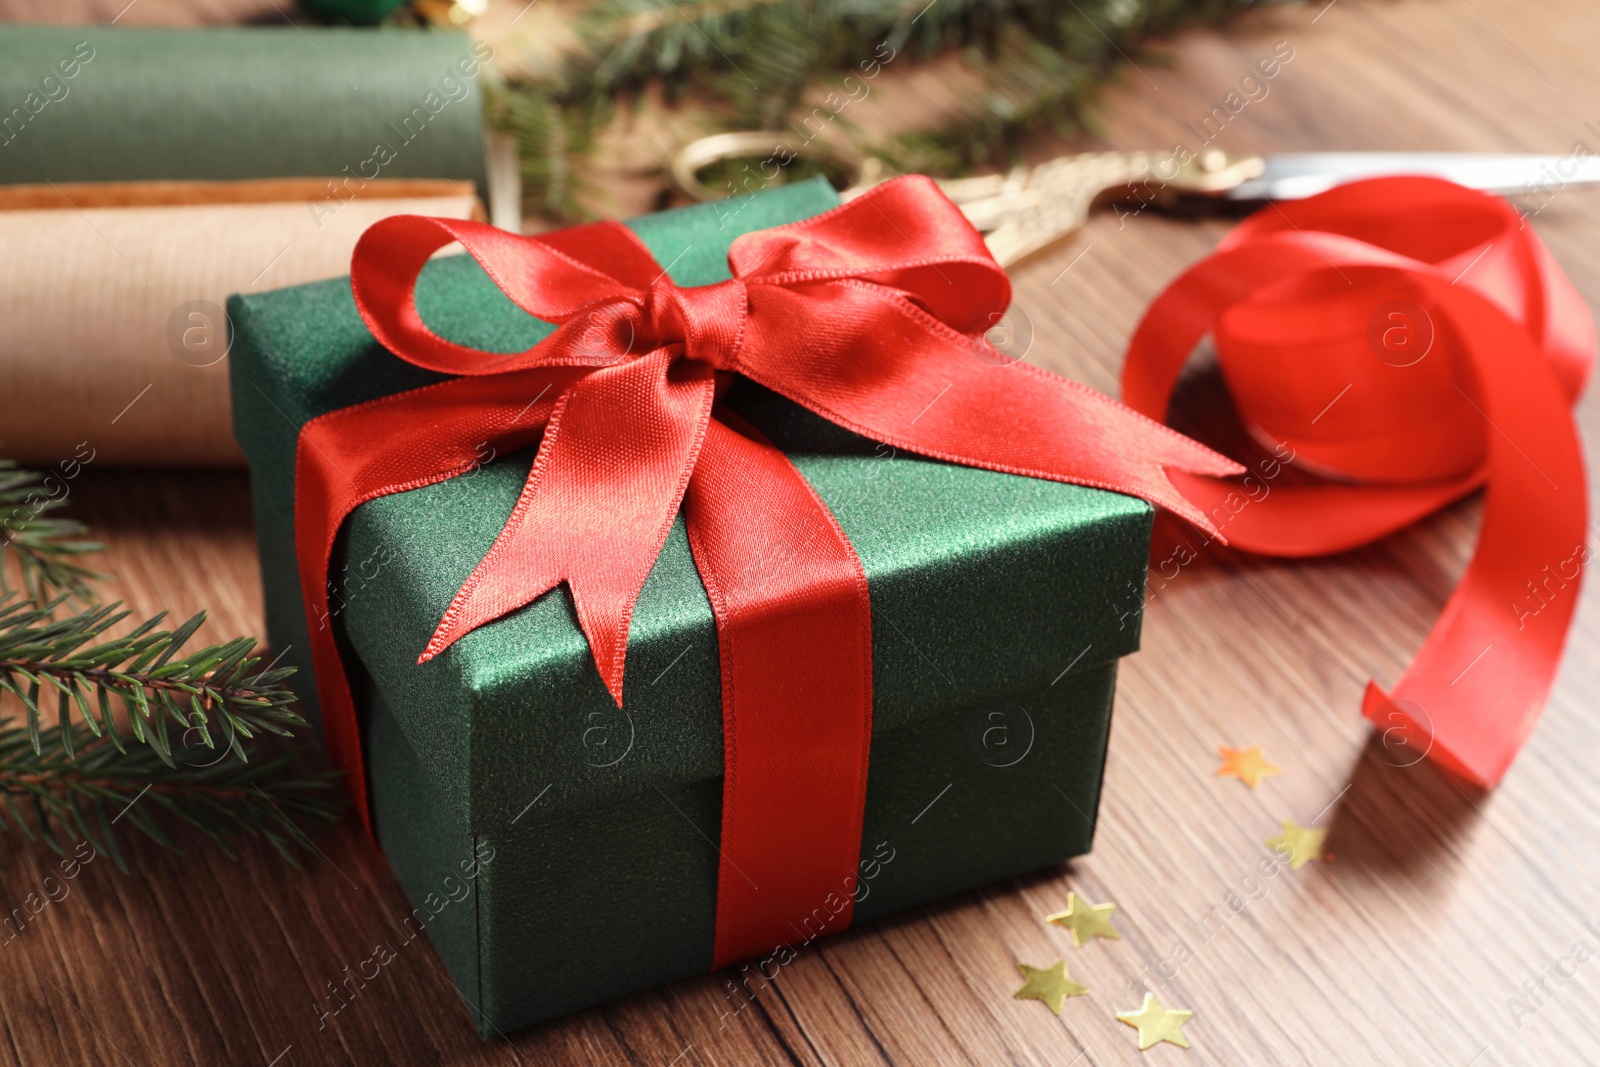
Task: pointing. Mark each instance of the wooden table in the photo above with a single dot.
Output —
(1411, 945)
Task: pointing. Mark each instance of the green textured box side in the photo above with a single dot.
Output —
(430, 850)
(982, 583)
(575, 908)
(238, 102)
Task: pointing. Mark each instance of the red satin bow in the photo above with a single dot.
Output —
(1413, 340)
(871, 315)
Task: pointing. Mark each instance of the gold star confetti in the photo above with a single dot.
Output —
(1246, 764)
(1049, 984)
(1085, 920)
(1301, 844)
(1157, 1024)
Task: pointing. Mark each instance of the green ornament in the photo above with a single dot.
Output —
(364, 12)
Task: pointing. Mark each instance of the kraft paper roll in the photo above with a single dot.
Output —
(107, 103)
(112, 328)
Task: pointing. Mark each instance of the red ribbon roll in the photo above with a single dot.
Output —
(871, 315)
(1411, 340)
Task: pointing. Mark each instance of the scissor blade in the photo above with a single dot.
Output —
(1296, 175)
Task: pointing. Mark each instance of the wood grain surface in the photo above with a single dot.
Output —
(1411, 945)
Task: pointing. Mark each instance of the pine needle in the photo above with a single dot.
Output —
(45, 548)
(101, 791)
(69, 772)
(758, 62)
(211, 696)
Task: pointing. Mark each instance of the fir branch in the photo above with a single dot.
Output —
(102, 790)
(758, 56)
(1041, 68)
(46, 548)
(71, 660)
(553, 130)
(1029, 86)
(1040, 63)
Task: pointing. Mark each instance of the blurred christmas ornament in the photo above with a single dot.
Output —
(361, 12)
(449, 12)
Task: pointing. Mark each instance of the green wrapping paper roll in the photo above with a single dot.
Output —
(145, 174)
(104, 103)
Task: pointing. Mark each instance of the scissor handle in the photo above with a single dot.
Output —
(1054, 199)
(1022, 211)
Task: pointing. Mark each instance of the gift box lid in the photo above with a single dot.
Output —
(982, 583)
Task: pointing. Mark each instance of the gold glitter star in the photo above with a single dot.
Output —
(1301, 844)
(1085, 920)
(1246, 764)
(1049, 984)
(1157, 1024)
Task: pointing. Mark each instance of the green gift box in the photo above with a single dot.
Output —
(562, 851)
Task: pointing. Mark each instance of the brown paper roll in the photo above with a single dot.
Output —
(112, 329)
(67, 196)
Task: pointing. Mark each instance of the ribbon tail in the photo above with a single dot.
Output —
(353, 455)
(1476, 689)
(958, 400)
(1298, 522)
(597, 505)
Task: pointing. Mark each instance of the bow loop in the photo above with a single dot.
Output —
(536, 274)
(905, 235)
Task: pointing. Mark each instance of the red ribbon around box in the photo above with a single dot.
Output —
(871, 315)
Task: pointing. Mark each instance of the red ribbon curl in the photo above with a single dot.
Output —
(1412, 340)
(871, 315)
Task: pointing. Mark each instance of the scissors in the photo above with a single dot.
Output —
(1028, 209)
